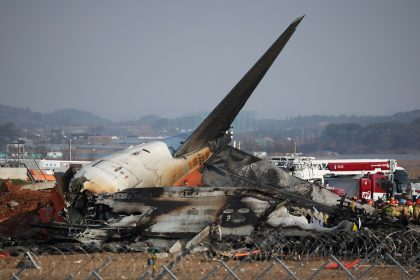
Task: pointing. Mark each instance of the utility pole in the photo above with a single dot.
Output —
(69, 141)
(293, 142)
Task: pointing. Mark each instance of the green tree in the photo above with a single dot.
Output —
(8, 133)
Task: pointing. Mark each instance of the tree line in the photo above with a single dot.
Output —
(344, 138)
(373, 138)
(8, 134)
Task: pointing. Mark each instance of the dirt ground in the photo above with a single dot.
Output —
(133, 266)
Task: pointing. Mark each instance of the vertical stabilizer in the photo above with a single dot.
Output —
(220, 119)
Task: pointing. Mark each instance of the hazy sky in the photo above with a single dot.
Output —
(125, 59)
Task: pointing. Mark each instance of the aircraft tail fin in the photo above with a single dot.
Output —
(220, 119)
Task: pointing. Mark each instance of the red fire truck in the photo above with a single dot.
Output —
(364, 178)
(374, 186)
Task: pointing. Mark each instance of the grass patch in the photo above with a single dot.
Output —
(15, 182)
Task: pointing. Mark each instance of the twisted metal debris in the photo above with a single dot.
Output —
(402, 245)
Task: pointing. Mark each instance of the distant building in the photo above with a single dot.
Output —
(55, 155)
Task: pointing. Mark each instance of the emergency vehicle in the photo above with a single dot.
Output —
(364, 178)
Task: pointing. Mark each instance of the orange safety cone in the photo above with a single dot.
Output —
(349, 265)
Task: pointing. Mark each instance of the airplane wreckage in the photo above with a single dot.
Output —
(187, 185)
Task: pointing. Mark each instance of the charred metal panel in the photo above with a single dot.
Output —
(174, 210)
(237, 218)
(230, 167)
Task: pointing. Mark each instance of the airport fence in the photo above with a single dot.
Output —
(73, 262)
(360, 255)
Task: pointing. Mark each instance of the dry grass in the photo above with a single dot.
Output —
(412, 167)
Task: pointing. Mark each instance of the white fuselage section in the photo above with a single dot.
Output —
(146, 165)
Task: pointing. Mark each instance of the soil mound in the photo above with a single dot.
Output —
(15, 201)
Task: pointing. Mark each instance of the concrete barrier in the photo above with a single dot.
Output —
(13, 173)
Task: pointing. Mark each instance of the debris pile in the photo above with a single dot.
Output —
(403, 245)
(382, 234)
(18, 210)
(16, 201)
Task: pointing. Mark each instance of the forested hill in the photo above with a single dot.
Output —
(321, 121)
(246, 121)
(395, 137)
(25, 118)
(397, 133)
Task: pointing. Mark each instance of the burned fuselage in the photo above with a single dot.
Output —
(147, 165)
(241, 194)
(137, 188)
(141, 191)
(166, 163)
(182, 212)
